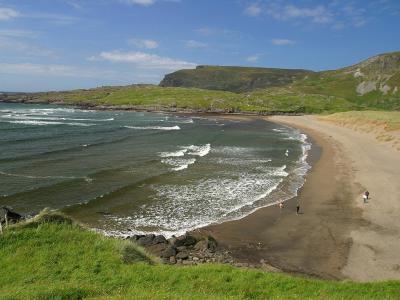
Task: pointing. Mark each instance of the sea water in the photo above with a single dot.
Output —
(133, 172)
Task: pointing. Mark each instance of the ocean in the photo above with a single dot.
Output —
(124, 172)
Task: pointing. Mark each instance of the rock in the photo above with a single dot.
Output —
(157, 249)
(160, 239)
(168, 252)
(185, 240)
(146, 240)
(182, 255)
(189, 240)
(181, 248)
(196, 259)
(136, 237)
(201, 245)
(172, 260)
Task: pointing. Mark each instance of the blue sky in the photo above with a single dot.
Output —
(65, 44)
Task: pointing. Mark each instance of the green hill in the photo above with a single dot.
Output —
(371, 84)
(53, 258)
(233, 79)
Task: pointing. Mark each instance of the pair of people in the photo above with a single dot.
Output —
(297, 207)
(366, 196)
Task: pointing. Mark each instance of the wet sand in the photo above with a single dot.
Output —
(335, 236)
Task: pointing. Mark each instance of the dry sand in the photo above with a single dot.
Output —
(336, 236)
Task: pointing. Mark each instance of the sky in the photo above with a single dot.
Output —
(68, 44)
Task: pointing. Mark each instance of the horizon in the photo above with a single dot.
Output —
(70, 44)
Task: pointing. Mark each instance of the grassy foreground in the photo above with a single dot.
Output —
(52, 258)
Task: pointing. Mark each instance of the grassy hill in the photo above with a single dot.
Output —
(53, 258)
(371, 84)
(233, 79)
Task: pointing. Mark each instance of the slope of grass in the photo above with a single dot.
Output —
(52, 258)
(385, 125)
(233, 79)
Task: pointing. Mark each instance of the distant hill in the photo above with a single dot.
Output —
(374, 82)
(370, 84)
(232, 79)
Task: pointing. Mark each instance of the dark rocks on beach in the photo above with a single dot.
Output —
(10, 216)
(146, 240)
(168, 252)
(192, 250)
(182, 255)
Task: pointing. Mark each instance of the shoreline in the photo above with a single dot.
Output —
(288, 241)
(335, 236)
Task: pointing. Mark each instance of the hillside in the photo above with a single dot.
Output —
(233, 79)
(370, 84)
(70, 262)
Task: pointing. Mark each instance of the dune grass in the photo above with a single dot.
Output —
(384, 125)
(53, 258)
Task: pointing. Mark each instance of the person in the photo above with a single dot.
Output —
(365, 197)
(280, 205)
(298, 208)
(367, 194)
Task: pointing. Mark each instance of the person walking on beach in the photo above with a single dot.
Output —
(297, 208)
(365, 197)
(367, 194)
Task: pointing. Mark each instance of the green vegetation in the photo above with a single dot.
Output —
(234, 79)
(53, 258)
(371, 84)
(388, 120)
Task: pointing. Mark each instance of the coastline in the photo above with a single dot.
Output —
(315, 242)
(337, 236)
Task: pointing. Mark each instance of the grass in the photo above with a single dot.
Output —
(385, 125)
(54, 258)
(388, 120)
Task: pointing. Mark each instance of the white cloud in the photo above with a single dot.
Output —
(253, 10)
(147, 44)
(282, 42)
(12, 45)
(8, 13)
(54, 70)
(317, 14)
(194, 44)
(140, 2)
(18, 33)
(253, 58)
(144, 60)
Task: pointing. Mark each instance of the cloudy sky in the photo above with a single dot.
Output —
(65, 44)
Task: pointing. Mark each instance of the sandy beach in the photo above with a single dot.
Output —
(336, 235)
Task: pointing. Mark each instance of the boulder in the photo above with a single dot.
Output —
(182, 255)
(168, 252)
(185, 240)
(160, 239)
(146, 240)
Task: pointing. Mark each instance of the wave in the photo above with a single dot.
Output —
(154, 127)
(173, 154)
(45, 118)
(179, 164)
(199, 150)
(44, 177)
(44, 123)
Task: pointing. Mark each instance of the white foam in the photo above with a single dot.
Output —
(43, 123)
(178, 163)
(45, 118)
(153, 127)
(199, 150)
(173, 154)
